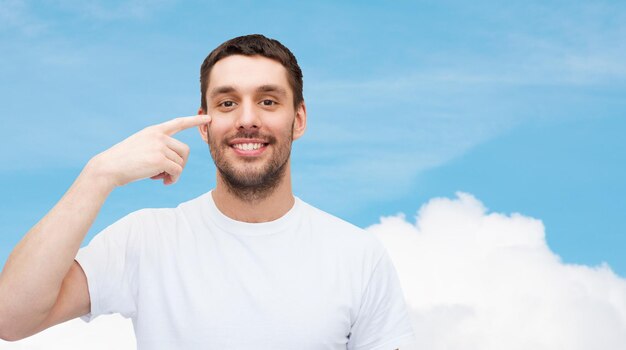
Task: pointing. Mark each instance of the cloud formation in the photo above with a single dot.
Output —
(479, 280)
(473, 280)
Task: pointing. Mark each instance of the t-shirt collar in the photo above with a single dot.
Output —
(242, 228)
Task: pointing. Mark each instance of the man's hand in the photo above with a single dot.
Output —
(151, 152)
(41, 285)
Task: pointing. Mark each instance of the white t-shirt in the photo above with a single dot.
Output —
(192, 278)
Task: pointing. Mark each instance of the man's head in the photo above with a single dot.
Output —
(253, 45)
(255, 113)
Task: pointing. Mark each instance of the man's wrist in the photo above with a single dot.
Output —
(96, 174)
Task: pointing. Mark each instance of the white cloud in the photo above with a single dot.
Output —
(479, 280)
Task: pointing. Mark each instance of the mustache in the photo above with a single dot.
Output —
(246, 134)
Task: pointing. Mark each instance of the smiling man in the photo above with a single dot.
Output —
(244, 266)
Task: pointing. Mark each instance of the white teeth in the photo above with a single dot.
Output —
(248, 146)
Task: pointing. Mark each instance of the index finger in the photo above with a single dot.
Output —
(175, 125)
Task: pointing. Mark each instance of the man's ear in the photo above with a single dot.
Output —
(299, 123)
(204, 128)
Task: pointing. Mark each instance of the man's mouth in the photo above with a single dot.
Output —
(249, 146)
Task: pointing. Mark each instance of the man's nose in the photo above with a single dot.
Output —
(248, 117)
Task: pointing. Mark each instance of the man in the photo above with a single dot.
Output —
(244, 266)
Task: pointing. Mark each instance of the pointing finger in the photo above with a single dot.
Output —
(175, 125)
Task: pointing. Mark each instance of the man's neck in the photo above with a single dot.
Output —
(267, 208)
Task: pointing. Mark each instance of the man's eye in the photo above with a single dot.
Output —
(268, 102)
(227, 104)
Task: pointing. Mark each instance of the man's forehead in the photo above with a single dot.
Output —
(247, 72)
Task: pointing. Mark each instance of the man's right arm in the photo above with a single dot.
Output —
(35, 271)
(41, 284)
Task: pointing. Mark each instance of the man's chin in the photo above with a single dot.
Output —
(247, 178)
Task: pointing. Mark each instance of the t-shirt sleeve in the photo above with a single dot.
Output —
(110, 264)
(383, 320)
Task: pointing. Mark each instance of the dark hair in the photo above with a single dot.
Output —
(251, 45)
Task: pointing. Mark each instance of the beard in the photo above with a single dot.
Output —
(253, 180)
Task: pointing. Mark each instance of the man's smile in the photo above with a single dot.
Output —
(248, 147)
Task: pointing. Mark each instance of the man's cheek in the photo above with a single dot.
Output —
(220, 125)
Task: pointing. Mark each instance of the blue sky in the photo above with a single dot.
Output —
(521, 104)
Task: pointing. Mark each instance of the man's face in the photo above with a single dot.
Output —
(253, 121)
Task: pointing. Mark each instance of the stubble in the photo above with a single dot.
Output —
(252, 182)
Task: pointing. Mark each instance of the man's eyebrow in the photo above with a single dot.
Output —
(272, 88)
(221, 90)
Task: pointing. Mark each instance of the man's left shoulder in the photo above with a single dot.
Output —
(339, 230)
